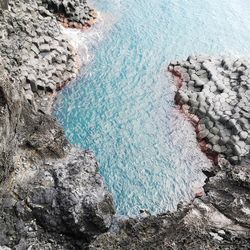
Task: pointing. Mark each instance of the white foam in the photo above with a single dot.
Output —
(84, 41)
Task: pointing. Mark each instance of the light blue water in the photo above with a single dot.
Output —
(122, 107)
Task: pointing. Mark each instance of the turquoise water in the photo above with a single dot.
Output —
(122, 106)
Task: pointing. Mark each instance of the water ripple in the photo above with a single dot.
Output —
(122, 106)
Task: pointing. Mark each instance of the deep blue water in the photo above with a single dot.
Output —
(122, 106)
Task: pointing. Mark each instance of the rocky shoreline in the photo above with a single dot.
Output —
(51, 194)
(214, 94)
(217, 92)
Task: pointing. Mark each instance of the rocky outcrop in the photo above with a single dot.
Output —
(213, 93)
(217, 91)
(218, 220)
(51, 195)
(54, 197)
(43, 60)
(73, 14)
(197, 226)
(10, 110)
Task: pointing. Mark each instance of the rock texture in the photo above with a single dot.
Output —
(51, 195)
(217, 91)
(197, 226)
(73, 14)
(4, 4)
(218, 220)
(35, 53)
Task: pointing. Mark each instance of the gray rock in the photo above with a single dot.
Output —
(217, 148)
(35, 49)
(214, 140)
(44, 48)
(243, 135)
(52, 196)
(219, 91)
(203, 133)
(76, 11)
(4, 248)
(69, 193)
(184, 97)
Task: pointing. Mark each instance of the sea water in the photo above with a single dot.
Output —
(122, 105)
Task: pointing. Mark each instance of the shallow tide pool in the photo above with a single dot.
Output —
(122, 105)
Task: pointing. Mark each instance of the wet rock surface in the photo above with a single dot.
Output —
(51, 195)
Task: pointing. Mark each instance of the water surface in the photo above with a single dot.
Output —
(122, 106)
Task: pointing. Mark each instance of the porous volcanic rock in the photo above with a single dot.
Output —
(51, 195)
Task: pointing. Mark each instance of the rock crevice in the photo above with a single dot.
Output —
(51, 195)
